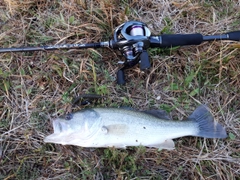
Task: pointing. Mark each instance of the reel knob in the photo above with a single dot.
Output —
(144, 60)
(121, 77)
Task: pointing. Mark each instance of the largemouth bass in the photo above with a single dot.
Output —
(108, 127)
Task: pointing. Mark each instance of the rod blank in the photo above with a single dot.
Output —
(234, 36)
(51, 48)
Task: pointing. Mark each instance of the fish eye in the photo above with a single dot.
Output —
(68, 116)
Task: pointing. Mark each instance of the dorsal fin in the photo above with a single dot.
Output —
(159, 113)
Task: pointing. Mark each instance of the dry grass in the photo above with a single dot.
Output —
(38, 86)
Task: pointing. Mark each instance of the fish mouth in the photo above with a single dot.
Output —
(59, 126)
(50, 138)
(56, 126)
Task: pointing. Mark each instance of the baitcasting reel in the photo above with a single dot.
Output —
(132, 39)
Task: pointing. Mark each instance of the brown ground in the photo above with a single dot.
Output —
(38, 86)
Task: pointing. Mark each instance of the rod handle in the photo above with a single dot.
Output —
(172, 40)
(235, 35)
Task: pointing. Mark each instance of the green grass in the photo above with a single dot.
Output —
(36, 87)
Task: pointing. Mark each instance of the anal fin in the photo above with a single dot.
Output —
(117, 145)
(167, 144)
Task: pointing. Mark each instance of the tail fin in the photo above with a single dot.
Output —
(207, 127)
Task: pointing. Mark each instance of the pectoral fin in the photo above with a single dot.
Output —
(167, 144)
(116, 129)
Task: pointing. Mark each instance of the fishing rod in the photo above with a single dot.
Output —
(132, 39)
